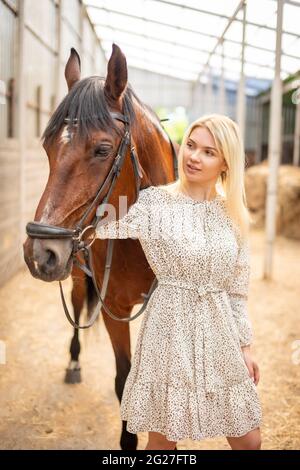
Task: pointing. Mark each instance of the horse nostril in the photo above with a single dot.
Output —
(51, 259)
(50, 262)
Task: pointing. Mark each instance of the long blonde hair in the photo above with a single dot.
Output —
(229, 144)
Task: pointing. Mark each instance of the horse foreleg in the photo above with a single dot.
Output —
(119, 334)
(73, 371)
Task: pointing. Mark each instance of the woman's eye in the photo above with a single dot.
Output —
(102, 152)
(209, 152)
(189, 145)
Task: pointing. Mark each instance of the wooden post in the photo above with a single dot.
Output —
(222, 90)
(274, 152)
(241, 98)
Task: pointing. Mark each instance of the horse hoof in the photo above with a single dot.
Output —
(73, 376)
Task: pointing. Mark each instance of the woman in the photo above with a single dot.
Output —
(193, 374)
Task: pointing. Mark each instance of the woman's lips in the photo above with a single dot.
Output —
(192, 168)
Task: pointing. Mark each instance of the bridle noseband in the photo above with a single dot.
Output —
(77, 235)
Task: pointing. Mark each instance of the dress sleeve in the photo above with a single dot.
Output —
(132, 225)
(238, 294)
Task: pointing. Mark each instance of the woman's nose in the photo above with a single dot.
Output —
(196, 155)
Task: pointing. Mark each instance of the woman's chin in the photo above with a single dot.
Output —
(193, 176)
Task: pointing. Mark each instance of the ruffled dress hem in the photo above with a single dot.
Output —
(169, 410)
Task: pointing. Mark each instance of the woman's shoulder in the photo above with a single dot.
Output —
(154, 192)
(145, 193)
(145, 196)
(169, 187)
(169, 194)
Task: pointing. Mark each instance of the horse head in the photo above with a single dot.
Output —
(82, 141)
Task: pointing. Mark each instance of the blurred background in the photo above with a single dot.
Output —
(185, 59)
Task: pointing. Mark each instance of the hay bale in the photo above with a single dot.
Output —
(289, 201)
(256, 186)
(255, 181)
(288, 198)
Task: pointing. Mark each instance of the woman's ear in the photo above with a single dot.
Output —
(225, 167)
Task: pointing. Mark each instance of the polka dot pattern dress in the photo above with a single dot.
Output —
(188, 377)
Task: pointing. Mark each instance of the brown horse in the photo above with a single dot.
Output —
(80, 158)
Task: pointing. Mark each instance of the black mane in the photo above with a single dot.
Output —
(87, 104)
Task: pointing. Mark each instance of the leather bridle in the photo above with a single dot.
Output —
(45, 231)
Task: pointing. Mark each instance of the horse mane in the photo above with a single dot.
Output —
(87, 105)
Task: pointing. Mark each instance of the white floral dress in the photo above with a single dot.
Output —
(188, 377)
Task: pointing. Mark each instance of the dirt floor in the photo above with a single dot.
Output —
(39, 411)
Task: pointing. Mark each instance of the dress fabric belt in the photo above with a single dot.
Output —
(222, 357)
(202, 289)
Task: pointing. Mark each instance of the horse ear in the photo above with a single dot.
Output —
(72, 70)
(116, 79)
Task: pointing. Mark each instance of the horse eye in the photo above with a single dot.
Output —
(102, 151)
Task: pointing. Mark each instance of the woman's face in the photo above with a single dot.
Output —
(201, 161)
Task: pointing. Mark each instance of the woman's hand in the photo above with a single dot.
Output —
(251, 364)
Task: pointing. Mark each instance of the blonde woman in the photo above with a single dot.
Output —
(193, 374)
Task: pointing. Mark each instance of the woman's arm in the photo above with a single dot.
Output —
(238, 294)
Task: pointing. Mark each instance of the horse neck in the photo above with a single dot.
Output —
(153, 148)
